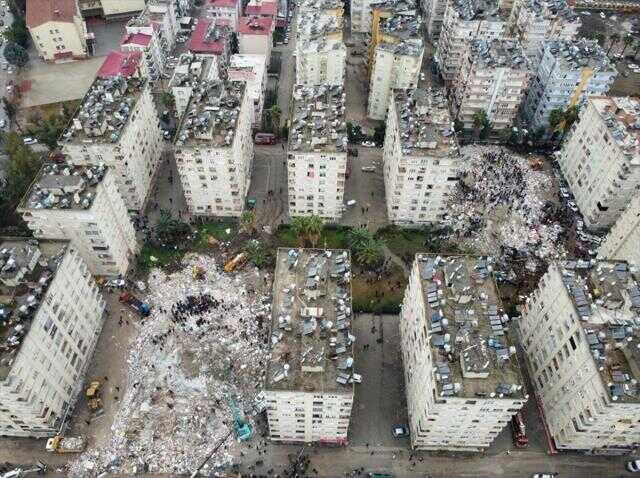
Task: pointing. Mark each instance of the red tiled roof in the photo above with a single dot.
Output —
(255, 25)
(43, 11)
(198, 42)
(136, 39)
(223, 3)
(263, 9)
(120, 63)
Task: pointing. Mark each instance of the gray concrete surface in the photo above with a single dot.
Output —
(107, 35)
(269, 174)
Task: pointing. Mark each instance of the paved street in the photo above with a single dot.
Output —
(269, 174)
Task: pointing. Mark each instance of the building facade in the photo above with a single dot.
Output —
(82, 204)
(622, 241)
(187, 75)
(317, 153)
(117, 124)
(600, 159)
(252, 69)
(580, 334)
(214, 148)
(567, 72)
(255, 36)
(421, 159)
(310, 379)
(225, 9)
(462, 378)
(433, 14)
(49, 331)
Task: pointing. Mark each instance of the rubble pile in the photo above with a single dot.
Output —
(502, 207)
(204, 344)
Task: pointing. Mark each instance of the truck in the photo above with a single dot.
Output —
(142, 308)
(520, 439)
(60, 444)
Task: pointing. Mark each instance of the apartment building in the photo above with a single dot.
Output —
(360, 11)
(214, 148)
(252, 69)
(310, 379)
(121, 63)
(212, 37)
(568, 71)
(225, 10)
(117, 124)
(57, 29)
(317, 152)
(255, 36)
(190, 71)
(421, 159)
(463, 22)
(320, 53)
(600, 158)
(536, 21)
(433, 15)
(493, 77)
(462, 378)
(52, 315)
(82, 204)
(395, 57)
(580, 332)
(622, 242)
(261, 8)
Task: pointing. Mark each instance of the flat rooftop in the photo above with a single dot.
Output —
(311, 340)
(578, 54)
(304, 5)
(621, 116)
(606, 299)
(64, 186)
(552, 9)
(319, 122)
(105, 110)
(192, 68)
(314, 25)
(402, 26)
(27, 267)
(470, 10)
(411, 47)
(498, 54)
(471, 350)
(424, 122)
(212, 114)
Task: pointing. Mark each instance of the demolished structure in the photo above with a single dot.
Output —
(310, 379)
(581, 334)
(463, 382)
(317, 154)
(421, 157)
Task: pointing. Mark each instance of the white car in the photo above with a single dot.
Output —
(368, 144)
(572, 206)
(545, 475)
(368, 169)
(29, 140)
(351, 202)
(633, 466)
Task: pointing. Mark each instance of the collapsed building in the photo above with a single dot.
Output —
(463, 382)
(317, 153)
(581, 335)
(310, 379)
(50, 319)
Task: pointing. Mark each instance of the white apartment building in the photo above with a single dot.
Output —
(310, 379)
(568, 71)
(214, 148)
(82, 204)
(117, 124)
(255, 36)
(189, 72)
(600, 159)
(433, 13)
(421, 159)
(493, 77)
(462, 378)
(317, 153)
(536, 21)
(465, 21)
(152, 33)
(623, 241)
(50, 326)
(57, 29)
(581, 335)
(225, 9)
(252, 69)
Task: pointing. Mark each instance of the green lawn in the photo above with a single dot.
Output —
(163, 256)
(217, 230)
(331, 237)
(380, 296)
(406, 243)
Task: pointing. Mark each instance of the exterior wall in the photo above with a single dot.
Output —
(135, 157)
(169, 25)
(255, 44)
(48, 372)
(600, 176)
(314, 68)
(216, 180)
(53, 38)
(433, 17)
(390, 71)
(256, 85)
(154, 54)
(578, 411)
(231, 13)
(439, 423)
(115, 8)
(316, 183)
(103, 235)
(296, 416)
(417, 187)
(361, 16)
(623, 241)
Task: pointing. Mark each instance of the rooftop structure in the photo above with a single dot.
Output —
(401, 25)
(497, 53)
(119, 63)
(255, 25)
(622, 241)
(105, 109)
(261, 8)
(314, 25)
(43, 11)
(210, 36)
(312, 345)
(571, 54)
(315, 5)
(251, 69)
(477, 9)
(621, 116)
(318, 122)
(190, 71)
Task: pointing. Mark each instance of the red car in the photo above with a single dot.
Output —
(520, 439)
(265, 138)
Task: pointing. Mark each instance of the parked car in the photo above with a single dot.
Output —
(633, 466)
(564, 192)
(399, 431)
(368, 169)
(29, 140)
(3, 123)
(368, 144)
(545, 475)
(265, 138)
(351, 202)
(572, 206)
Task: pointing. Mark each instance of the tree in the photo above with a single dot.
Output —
(169, 230)
(314, 229)
(247, 220)
(358, 237)
(9, 107)
(15, 54)
(273, 115)
(168, 100)
(636, 48)
(628, 41)
(556, 116)
(614, 38)
(307, 229)
(48, 130)
(370, 254)
(18, 33)
(354, 132)
(481, 124)
(256, 252)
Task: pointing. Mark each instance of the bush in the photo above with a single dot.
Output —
(15, 54)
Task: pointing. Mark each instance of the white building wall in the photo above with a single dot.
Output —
(361, 16)
(48, 372)
(623, 241)
(255, 79)
(255, 44)
(59, 37)
(297, 416)
(103, 234)
(314, 68)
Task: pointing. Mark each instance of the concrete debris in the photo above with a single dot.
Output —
(204, 343)
(504, 208)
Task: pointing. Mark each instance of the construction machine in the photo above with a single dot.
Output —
(243, 429)
(93, 396)
(60, 444)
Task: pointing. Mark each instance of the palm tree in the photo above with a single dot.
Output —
(358, 237)
(314, 229)
(480, 122)
(614, 38)
(628, 41)
(247, 220)
(371, 254)
(299, 226)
